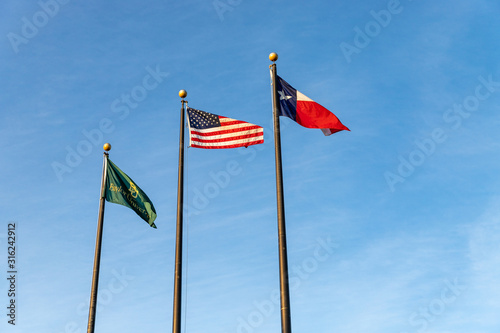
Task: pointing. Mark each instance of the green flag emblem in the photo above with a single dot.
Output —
(122, 190)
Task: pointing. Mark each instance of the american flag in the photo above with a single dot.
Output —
(210, 131)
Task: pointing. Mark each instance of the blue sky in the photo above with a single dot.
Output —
(393, 227)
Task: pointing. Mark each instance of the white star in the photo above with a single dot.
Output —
(282, 95)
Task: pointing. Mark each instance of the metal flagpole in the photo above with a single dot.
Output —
(283, 261)
(98, 242)
(176, 322)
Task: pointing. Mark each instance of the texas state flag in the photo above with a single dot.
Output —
(305, 111)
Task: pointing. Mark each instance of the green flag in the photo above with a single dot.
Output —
(122, 190)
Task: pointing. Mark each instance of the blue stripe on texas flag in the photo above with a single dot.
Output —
(288, 99)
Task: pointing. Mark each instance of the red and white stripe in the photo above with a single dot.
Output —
(231, 134)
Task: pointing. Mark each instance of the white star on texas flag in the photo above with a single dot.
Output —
(282, 95)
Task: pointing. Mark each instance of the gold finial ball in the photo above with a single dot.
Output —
(107, 147)
(183, 93)
(273, 56)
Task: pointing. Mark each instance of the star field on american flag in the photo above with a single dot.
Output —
(200, 119)
(210, 131)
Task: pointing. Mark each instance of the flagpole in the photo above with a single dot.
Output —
(283, 260)
(176, 322)
(98, 242)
